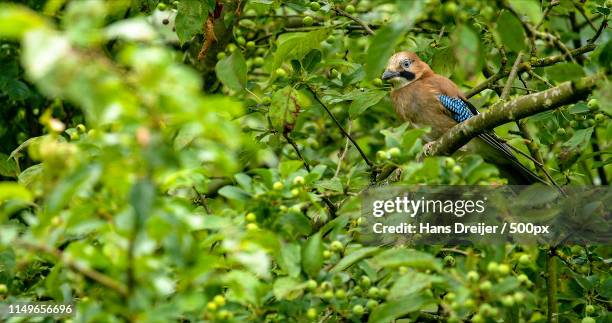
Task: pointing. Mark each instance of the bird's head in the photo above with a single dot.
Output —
(404, 68)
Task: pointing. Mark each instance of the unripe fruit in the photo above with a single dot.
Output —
(161, 6)
(250, 45)
(81, 128)
(298, 180)
(383, 292)
(485, 285)
(589, 309)
(231, 47)
(377, 82)
(240, 41)
(593, 104)
(326, 285)
(457, 170)
(473, 276)
(450, 297)
(477, 318)
(334, 72)
(311, 313)
(403, 270)
(561, 132)
(308, 21)
(3, 289)
(449, 261)
(336, 245)
(450, 8)
(519, 297)
(350, 8)
(373, 292)
(340, 294)
(311, 284)
(252, 227)
(328, 294)
(295, 192)
(522, 278)
(599, 117)
(258, 61)
(280, 72)
(381, 154)
(211, 306)
(371, 304)
(223, 315)
(492, 267)
(508, 301)
(588, 320)
(278, 186)
(573, 123)
(469, 303)
(315, 6)
(219, 300)
(282, 208)
(251, 217)
(221, 55)
(394, 152)
(365, 281)
(449, 162)
(524, 259)
(327, 254)
(358, 310)
(503, 269)
(266, 100)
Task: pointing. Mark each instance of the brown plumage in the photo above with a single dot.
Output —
(416, 99)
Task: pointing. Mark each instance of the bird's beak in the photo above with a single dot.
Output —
(387, 75)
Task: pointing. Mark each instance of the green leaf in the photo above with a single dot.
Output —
(333, 184)
(391, 310)
(297, 45)
(290, 258)
(382, 47)
(529, 8)
(467, 48)
(14, 191)
(234, 193)
(364, 100)
(605, 56)
(232, 71)
(311, 60)
(79, 182)
(286, 105)
(564, 72)
(579, 139)
(18, 20)
(312, 255)
(244, 287)
(510, 32)
(288, 288)
(408, 258)
(412, 282)
(354, 257)
(289, 166)
(190, 18)
(8, 167)
(444, 61)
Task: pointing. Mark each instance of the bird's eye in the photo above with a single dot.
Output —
(405, 63)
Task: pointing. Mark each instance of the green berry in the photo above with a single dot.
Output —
(373, 292)
(492, 267)
(450, 297)
(524, 259)
(212, 306)
(315, 6)
(81, 128)
(371, 304)
(251, 217)
(311, 313)
(449, 162)
(593, 104)
(450, 9)
(278, 186)
(561, 132)
(340, 294)
(298, 180)
(252, 227)
(280, 72)
(381, 154)
(449, 261)
(394, 152)
(258, 61)
(519, 297)
(221, 55)
(250, 44)
(365, 281)
(588, 319)
(3, 289)
(336, 246)
(311, 284)
(573, 124)
(358, 310)
(223, 315)
(295, 192)
(457, 170)
(308, 21)
(473, 276)
(266, 100)
(485, 285)
(161, 6)
(522, 278)
(507, 301)
(349, 8)
(240, 41)
(328, 294)
(477, 318)
(503, 269)
(589, 309)
(327, 254)
(377, 82)
(599, 117)
(219, 300)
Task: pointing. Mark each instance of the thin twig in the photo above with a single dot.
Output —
(603, 26)
(346, 134)
(548, 9)
(78, 267)
(344, 151)
(584, 15)
(511, 77)
(543, 80)
(297, 150)
(363, 24)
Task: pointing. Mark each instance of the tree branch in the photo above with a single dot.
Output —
(459, 135)
(547, 61)
(363, 24)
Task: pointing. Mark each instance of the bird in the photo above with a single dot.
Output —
(426, 99)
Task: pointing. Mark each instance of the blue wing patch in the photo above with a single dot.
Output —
(459, 109)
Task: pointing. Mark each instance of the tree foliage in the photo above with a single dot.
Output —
(203, 160)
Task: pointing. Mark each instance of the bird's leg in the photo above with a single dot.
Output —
(425, 152)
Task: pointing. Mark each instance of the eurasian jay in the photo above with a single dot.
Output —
(427, 99)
